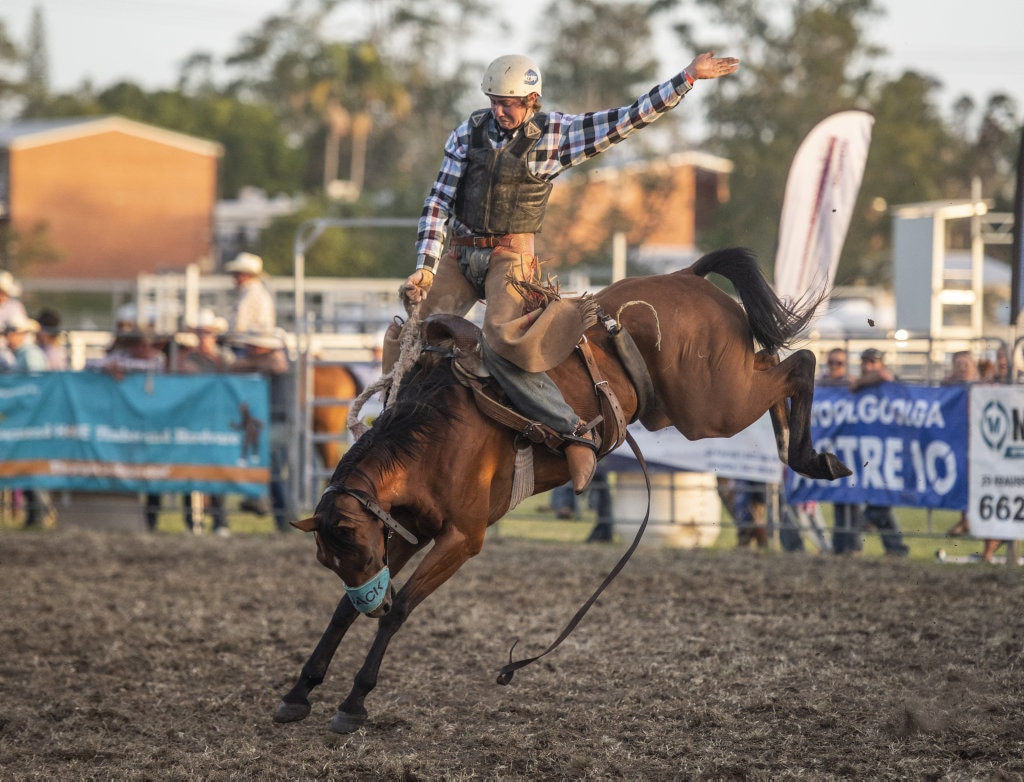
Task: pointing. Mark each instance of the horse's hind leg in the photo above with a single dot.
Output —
(294, 706)
(778, 412)
(802, 456)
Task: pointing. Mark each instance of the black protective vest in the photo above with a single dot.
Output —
(497, 193)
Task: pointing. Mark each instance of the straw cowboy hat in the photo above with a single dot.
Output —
(20, 325)
(8, 284)
(244, 263)
(208, 320)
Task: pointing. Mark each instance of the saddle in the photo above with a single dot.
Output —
(460, 339)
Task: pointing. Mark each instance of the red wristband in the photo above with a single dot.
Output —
(688, 77)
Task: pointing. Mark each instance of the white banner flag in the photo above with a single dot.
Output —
(821, 191)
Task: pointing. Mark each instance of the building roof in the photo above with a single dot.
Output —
(40, 132)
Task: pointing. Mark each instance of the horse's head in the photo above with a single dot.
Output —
(352, 532)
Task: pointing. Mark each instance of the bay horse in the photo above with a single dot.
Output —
(434, 469)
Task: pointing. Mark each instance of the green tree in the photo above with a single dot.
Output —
(10, 80)
(321, 90)
(36, 86)
(582, 72)
(813, 60)
(256, 151)
(796, 71)
(348, 252)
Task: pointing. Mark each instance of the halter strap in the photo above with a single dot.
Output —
(375, 509)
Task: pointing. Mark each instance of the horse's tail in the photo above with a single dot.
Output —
(774, 323)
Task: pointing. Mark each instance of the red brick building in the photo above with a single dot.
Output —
(117, 197)
(661, 206)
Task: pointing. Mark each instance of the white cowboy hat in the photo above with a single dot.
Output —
(244, 263)
(8, 284)
(20, 325)
(208, 320)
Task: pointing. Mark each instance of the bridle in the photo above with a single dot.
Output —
(374, 508)
(366, 597)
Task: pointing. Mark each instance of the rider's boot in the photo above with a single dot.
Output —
(581, 455)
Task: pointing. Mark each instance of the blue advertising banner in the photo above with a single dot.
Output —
(145, 433)
(906, 445)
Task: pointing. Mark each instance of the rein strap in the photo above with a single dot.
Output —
(506, 673)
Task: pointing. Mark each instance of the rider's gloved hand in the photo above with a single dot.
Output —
(416, 286)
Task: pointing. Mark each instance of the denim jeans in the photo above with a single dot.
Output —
(846, 532)
(533, 394)
(881, 518)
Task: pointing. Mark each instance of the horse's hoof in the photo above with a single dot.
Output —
(836, 469)
(346, 723)
(291, 712)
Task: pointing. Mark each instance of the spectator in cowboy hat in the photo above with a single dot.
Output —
(11, 307)
(29, 357)
(199, 351)
(254, 304)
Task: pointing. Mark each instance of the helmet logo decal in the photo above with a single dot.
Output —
(531, 77)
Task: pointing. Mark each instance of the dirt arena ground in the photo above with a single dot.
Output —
(162, 657)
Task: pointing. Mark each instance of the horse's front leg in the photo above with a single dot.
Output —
(294, 706)
(449, 553)
(352, 713)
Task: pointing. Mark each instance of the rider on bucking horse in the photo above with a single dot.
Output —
(489, 200)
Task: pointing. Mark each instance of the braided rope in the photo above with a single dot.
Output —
(654, 312)
(387, 385)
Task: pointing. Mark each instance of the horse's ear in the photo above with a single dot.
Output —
(306, 525)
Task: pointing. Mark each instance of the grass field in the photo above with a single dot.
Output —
(924, 533)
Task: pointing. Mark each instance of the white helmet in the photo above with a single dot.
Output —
(513, 76)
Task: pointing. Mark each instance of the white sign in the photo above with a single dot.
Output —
(996, 445)
(749, 455)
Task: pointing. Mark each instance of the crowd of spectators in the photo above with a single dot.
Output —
(244, 341)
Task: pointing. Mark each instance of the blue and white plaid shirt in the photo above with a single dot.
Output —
(569, 139)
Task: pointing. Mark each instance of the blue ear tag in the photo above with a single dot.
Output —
(371, 594)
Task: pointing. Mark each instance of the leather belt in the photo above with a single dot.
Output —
(519, 242)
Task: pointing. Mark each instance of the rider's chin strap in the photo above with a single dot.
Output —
(505, 674)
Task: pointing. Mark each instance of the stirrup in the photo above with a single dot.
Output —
(585, 434)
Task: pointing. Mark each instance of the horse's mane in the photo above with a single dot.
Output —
(773, 322)
(400, 434)
(406, 427)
